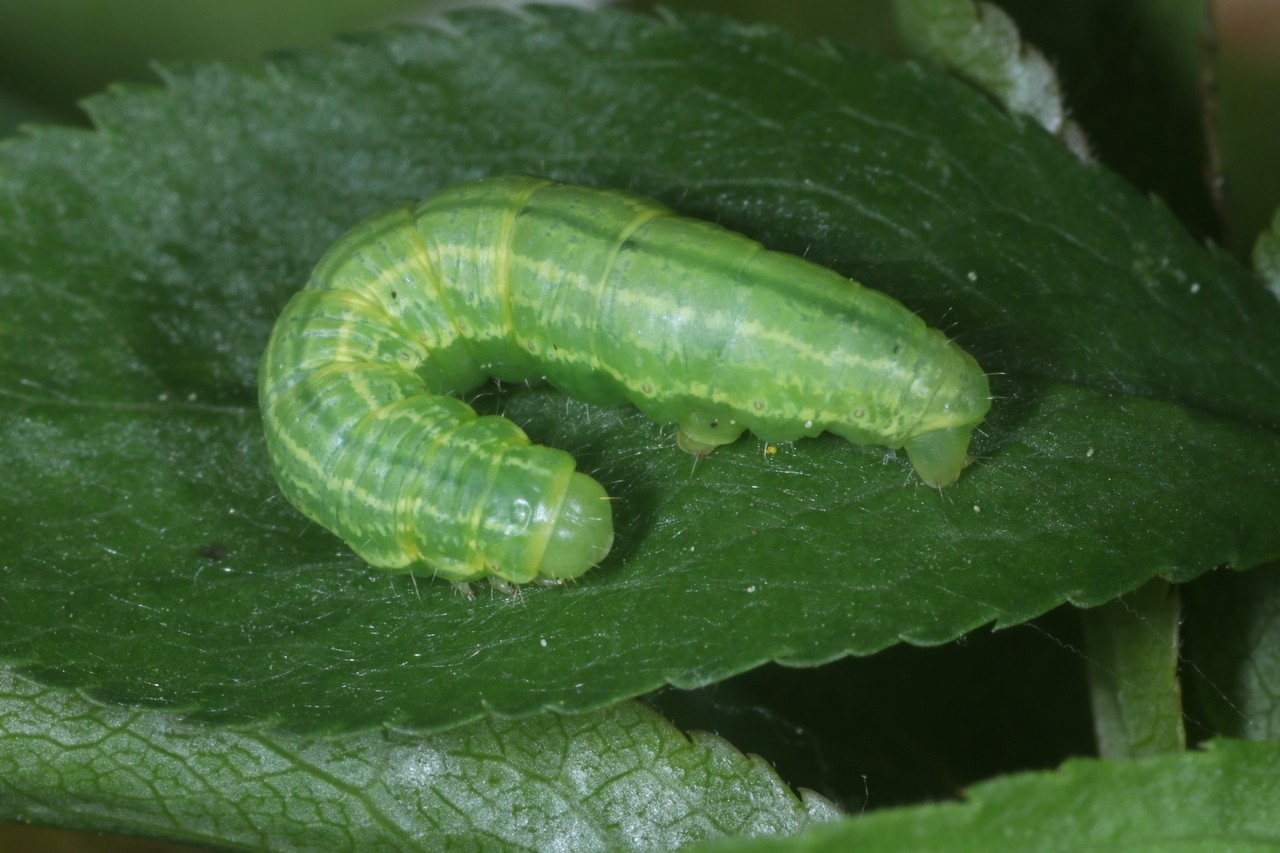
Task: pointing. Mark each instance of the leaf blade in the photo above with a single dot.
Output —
(143, 283)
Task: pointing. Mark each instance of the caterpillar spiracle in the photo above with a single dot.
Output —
(609, 297)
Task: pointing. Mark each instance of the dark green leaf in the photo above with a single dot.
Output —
(1152, 804)
(619, 779)
(1133, 645)
(16, 110)
(982, 43)
(58, 53)
(1247, 85)
(1266, 255)
(1233, 650)
(1135, 77)
(908, 725)
(146, 556)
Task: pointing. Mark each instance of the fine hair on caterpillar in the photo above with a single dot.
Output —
(613, 299)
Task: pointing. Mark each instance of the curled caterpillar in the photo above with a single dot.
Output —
(611, 298)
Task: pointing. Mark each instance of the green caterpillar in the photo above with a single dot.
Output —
(611, 298)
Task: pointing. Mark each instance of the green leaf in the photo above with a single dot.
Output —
(145, 553)
(908, 725)
(1246, 86)
(1135, 71)
(1150, 804)
(1233, 646)
(1266, 255)
(16, 110)
(1133, 669)
(982, 44)
(119, 40)
(617, 779)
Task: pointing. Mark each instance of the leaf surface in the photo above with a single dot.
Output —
(1152, 804)
(145, 553)
(623, 778)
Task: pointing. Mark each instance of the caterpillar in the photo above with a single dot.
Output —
(609, 297)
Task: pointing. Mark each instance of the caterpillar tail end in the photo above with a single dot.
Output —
(583, 531)
(939, 456)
